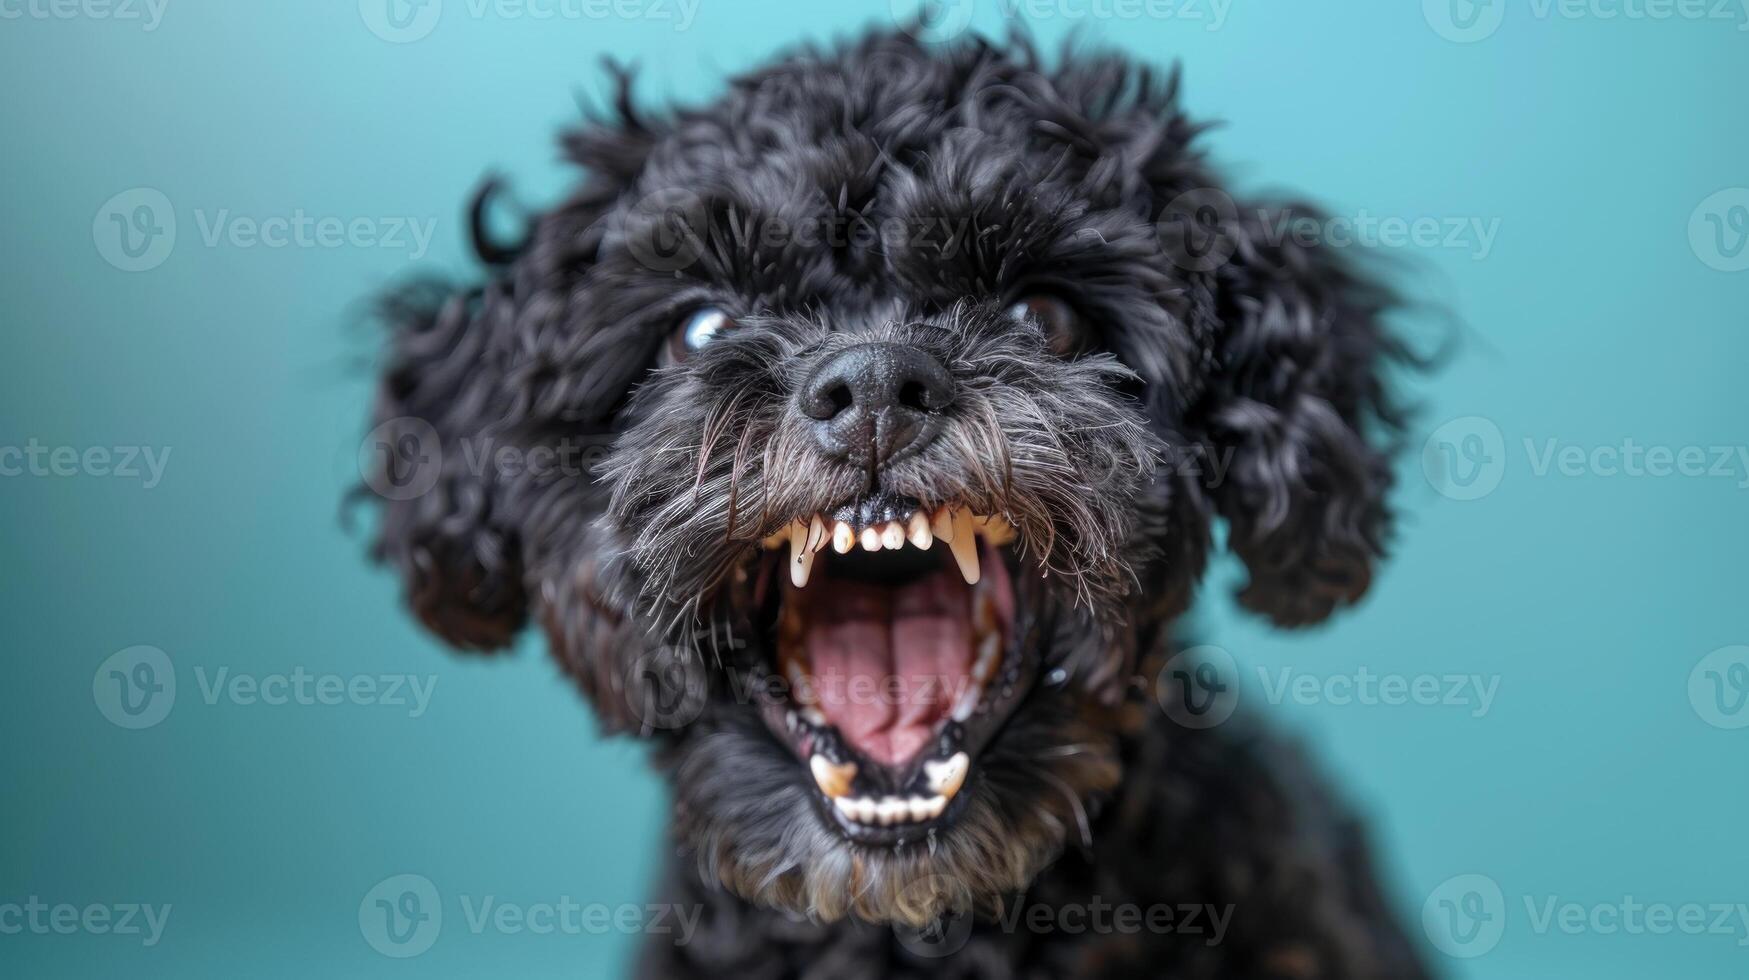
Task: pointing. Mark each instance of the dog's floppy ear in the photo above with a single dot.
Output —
(1297, 407)
(470, 371)
(442, 527)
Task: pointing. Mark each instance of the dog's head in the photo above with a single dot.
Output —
(857, 434)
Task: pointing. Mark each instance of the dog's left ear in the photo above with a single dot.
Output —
(1296, 407)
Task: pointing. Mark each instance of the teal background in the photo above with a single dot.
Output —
(1588, 598)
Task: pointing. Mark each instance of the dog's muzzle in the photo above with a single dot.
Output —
(873, 404)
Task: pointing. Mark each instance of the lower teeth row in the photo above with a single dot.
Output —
(945, 777)
(891, 810)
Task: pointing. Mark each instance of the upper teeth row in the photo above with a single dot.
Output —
(957, 526)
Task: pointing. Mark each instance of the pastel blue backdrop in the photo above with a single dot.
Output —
(1593, 165)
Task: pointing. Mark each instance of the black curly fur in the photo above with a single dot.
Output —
(1003, 177)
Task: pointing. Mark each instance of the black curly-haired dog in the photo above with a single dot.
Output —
(870, 426)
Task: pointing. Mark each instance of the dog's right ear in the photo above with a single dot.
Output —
(442, 525)
(469, 371)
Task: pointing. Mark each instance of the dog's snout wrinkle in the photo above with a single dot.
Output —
(874, 403)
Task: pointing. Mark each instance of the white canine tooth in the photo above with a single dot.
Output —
(942, 524)
(817, 536)
(801, 560)
(947, 776)
(871, 538)
(964, 545)
(967, 703)
(917, 531)
(989, 651)
(833, 780)
(843, 538)
(893, 536)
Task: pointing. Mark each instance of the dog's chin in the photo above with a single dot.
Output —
(900, 761)
(750, 816)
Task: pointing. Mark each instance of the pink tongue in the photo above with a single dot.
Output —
(887, 662)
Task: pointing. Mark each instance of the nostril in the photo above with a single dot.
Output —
(914, 394)
(874, 401)
(838, 398)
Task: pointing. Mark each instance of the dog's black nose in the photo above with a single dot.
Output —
(875, 403)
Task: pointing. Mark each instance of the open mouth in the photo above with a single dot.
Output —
(893, 628)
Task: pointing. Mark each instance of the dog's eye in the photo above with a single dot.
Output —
(695, 330)
(1061, 324)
